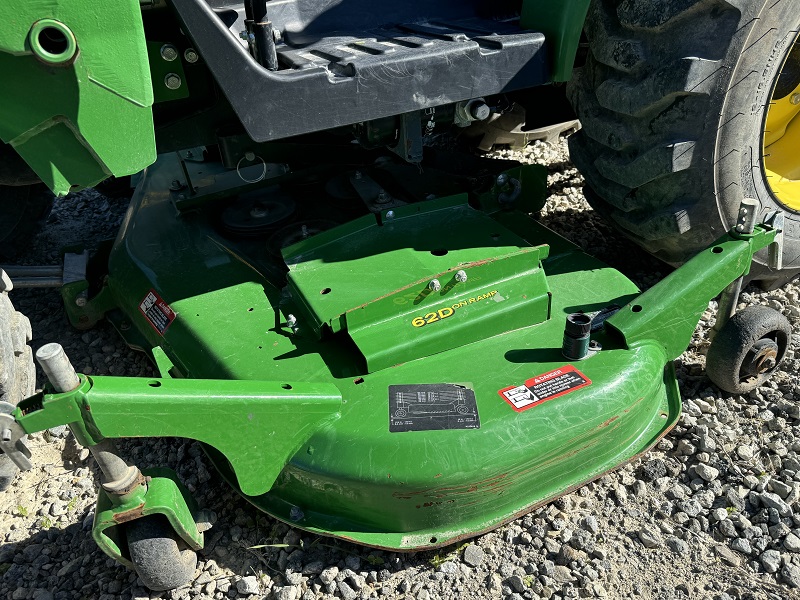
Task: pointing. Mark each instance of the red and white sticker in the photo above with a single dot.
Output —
(157, 312)
(544, 387)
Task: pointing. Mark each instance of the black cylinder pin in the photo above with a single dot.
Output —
(576, 336)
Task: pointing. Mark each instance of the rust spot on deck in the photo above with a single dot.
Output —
(129, 515)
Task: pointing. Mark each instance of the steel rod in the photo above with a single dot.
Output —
(63, 378)
(32, 270)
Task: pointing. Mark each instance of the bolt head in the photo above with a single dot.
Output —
(795, 99)
(172, 81)
(169, 52)
(390, 214)
(191, 55)
(502, 179)
(434, 285)
(480, 111)
(383, 197)
(80, 301)
(461, 276)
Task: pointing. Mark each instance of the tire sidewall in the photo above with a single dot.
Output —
(756, 57)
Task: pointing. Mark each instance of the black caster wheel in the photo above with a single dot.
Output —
(161, 558)
(748, 349)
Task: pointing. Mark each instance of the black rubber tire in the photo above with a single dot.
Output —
(672, 103)
(162, 561)
(23, 211)
(726, 358)
(17, 371)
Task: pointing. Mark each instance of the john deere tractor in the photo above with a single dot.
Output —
(368, 332)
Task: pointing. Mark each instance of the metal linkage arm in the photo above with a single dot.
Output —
(669, 311)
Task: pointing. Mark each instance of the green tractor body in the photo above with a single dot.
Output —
(372, 338)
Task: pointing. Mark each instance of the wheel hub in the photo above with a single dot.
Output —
(762, 358)
(782, 134)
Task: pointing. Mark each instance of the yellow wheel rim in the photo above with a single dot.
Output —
(782, 135)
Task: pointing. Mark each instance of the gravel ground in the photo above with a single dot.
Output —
(712, 513)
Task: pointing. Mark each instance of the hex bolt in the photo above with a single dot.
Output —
(461, 276)
(434, 285)
(172, 81)
(295, 514)
(191, 55)
(480, 111)
(502, 179)
(169, 52)
(383, 197)
(795, 99)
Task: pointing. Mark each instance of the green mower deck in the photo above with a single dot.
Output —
(397, 380)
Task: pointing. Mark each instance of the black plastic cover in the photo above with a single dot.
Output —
(333, 73)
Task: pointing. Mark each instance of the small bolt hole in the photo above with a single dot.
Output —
(636, 308)
(717, 249)
(358, 380)
(433, 540)
(154, 383)
(53, 41)
(286, 386)
(325, 291)
(250, 309)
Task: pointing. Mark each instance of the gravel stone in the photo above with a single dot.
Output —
(771, 500)
(791, 574)
(346, 591)
(727, 555)
(473, 555)
(247, 586)
(649, 538)
(792, 543)
(328, 575)
(706, 472)
(771, 560)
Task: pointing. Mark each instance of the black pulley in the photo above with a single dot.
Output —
(258, 212)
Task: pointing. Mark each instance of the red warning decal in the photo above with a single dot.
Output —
(157, 312)
(544, 387)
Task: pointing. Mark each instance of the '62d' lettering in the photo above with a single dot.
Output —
(432, 317)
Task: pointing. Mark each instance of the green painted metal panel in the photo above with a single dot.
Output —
(257, 425)
(669, 311)
(67, 119)
(371, 279)
(561, 22)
